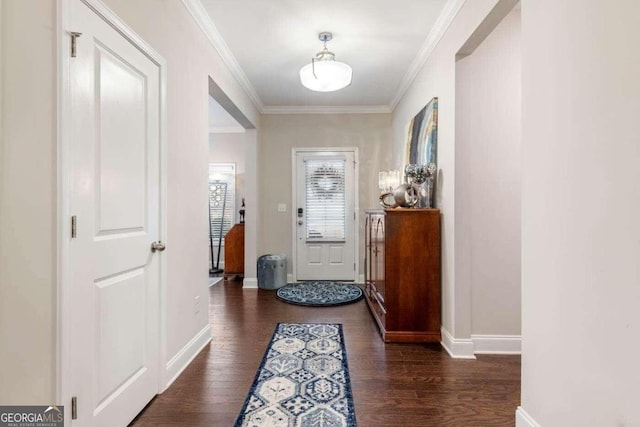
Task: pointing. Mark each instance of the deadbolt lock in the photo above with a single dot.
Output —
(158, 246)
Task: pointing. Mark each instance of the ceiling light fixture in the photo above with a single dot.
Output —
(325, 74)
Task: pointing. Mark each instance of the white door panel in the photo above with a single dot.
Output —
(115, 174)
(336, 255)
(324, 226)
(120, 330)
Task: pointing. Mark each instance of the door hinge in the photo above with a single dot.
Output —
(354, 266)
(74, 38)
(73, 227)
(74, 408)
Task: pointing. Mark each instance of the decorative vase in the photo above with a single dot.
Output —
(405, 195)
(424, 191)
(241, 212)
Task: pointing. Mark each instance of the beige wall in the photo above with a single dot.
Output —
(280, 133)
(437, 78)
(27, 202)
(581, 204)
(488, 166)
(28, 198)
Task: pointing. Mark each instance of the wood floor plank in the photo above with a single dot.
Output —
(393, 384)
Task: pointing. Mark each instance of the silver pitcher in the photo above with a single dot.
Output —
(404, 196)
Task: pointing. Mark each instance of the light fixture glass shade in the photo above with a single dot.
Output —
(383, 177)
(330, 75)
(393, 178)
(388, 180)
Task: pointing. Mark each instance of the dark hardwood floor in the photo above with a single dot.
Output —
(393, 384)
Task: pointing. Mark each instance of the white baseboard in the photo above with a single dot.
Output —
(185, 356)
(523, 419)
(215, 281)
(361, 278)
(497, 344)
(457, 348)
(250, 283)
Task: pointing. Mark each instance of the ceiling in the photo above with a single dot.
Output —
(266, 42)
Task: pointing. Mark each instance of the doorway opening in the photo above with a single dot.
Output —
(487, 184)
(232, 176)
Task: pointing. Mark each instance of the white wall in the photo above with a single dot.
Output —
(27, 202)
(581, 205)
(488, 166)
(280, 133)
(437, 78)
(231, 148)
(252, 238)
(191, 59)
(28, 198)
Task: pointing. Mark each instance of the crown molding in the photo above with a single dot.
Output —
(329, 109)
(202, 18)
(440, 27)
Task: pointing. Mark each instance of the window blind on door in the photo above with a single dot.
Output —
(325, 199)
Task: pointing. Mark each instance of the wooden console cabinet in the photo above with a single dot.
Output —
(234, 251)
(402, 273)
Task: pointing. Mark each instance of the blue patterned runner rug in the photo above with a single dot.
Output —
(303, 380)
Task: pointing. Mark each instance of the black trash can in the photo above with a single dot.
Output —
(272, 271)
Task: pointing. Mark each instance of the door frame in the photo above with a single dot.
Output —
(294, 198)
(63, 368)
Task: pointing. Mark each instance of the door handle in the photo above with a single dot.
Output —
(300, 222)
(158, 246)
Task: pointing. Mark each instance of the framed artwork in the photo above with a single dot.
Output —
(422, 136)
(422, 152)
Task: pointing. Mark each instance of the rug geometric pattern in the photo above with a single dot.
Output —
(319, 293)
(303, 380)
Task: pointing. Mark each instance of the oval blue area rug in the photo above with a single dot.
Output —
(319, 294)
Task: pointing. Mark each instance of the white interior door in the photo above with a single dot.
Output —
(115, 197)
(324, 216)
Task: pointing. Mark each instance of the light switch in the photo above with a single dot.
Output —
(282, 207)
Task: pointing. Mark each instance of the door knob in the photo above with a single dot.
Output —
(158, 246)
(300, 222)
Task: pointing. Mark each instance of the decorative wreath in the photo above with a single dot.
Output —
(327, 180)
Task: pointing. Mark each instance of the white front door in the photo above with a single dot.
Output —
(114, 153)
(325, 216)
